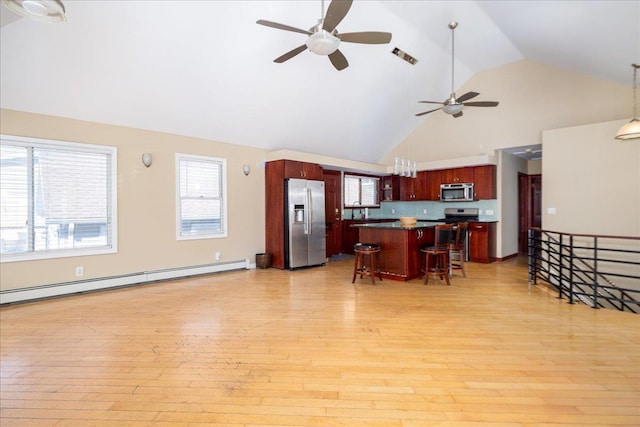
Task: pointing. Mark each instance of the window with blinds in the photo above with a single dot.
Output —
(361, 191)
(56, 199)
(201, 190)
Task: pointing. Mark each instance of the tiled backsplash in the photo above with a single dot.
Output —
(434, 210)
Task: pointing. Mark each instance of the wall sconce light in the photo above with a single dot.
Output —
(147, 159)
(246, 169)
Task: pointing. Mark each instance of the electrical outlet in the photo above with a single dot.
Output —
(393, 211)
(79, 271)
(489, 212)
(218, 256)
(424, 211)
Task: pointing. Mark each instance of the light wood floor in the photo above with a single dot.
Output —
(308, 348)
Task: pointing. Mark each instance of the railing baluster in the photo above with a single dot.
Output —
(595, 272)
(549, 252)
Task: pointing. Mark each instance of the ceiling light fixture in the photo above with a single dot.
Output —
(323, 42)
(39, 10)
(632, 129)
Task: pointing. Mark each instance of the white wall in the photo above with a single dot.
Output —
(591, 180)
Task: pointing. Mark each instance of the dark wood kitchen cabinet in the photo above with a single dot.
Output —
(275, 174)
(457, 175)
(484, 179)
(400, 256)
(482, 241)
(302, 170)
(389, 188)
(432, 181)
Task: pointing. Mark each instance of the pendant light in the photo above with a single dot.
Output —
(632, 129)
(39, 10)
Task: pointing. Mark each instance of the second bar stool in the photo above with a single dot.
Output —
(440, 252)
(366, 252)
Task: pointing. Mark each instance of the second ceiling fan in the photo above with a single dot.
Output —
(324, 38)
(452, 105)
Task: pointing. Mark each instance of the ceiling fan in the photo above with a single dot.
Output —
(324, 38)
(453, 105)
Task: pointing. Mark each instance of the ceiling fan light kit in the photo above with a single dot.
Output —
(323, 43)
(631, 130)
(324, 39)
(454, 106)
(38, 10)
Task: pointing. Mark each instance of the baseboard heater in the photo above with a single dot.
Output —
(102, 283)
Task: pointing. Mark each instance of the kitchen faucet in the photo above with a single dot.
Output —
(353, 208)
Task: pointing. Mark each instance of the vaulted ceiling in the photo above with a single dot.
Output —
(205, 68)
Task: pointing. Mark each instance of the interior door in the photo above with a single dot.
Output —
(530, 206)
(332, 181)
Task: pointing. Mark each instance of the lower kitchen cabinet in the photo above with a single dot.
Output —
(482, 241)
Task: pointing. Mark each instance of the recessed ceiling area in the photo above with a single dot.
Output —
(527, 152)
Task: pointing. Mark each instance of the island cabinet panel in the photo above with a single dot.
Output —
(432, 182)
(484, 179)
(400, 257)
(350, 235)
(456, 175)
(482, 242)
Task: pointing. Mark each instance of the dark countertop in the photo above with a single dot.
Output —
(396, 225)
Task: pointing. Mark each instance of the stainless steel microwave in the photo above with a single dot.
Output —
(462, 192)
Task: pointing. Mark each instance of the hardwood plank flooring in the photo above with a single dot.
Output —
(309, 348)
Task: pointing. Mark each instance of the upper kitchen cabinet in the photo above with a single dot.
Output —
(389, 188)
(457, 175)
(432, 181)
(302, 170)
(408, 187)
(484, 179)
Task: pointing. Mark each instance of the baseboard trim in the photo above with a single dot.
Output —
(90, 285)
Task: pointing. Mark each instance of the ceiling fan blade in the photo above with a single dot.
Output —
(366, 37)
(290, 54)
(458, 115)
(338, 60)
(482, 104)
(281, 26)
(466, 96)
(431, 102)
(427, 112)
(336, 12)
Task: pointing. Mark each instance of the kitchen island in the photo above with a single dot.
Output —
(400, 257)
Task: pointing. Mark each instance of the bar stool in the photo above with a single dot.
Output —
(440, 253)
(456, 249)
(366, 252)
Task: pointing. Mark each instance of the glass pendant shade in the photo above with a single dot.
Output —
(629, 131)
(39, 10)
(323, 43)
(453, 108)
(632, 129)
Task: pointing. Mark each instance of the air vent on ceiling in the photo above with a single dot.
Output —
(404, 55)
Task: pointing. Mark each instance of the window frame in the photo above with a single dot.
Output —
(112, 198)
(360, 177)
(223, 199)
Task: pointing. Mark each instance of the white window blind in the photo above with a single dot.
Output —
(361, 191)
(57, 199)
(201, 205)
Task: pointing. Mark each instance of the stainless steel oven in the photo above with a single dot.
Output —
(456, 215)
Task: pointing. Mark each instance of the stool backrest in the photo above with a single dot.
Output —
(444, 232)
(461, 233)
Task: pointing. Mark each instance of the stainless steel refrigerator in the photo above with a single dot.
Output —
(305, 227)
